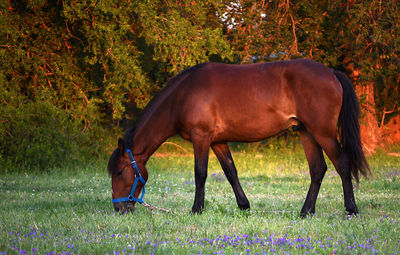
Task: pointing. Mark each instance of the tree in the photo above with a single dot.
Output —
(100, 62)
(359, 37)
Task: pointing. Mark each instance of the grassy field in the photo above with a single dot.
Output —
(69, 211)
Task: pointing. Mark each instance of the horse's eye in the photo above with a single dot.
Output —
(120, 172)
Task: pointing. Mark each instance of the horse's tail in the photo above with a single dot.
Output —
(349, 129)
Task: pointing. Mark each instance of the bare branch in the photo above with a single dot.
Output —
(296, 49)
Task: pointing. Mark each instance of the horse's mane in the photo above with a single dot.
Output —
(160, 96)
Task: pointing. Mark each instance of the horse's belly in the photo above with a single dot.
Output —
(255, 129)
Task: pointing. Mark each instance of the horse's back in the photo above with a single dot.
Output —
(252, 102)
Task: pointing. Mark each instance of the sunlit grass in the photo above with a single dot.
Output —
(70, 210)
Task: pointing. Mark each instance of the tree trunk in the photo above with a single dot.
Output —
(391, 131)
(369, 127)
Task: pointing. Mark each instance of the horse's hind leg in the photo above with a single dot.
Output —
(224, 156)
(201, 147)
(317, 167)
(341, 162)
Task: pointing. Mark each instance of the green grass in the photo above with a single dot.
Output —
(70, 211)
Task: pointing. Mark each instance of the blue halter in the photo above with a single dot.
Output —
(138, 178)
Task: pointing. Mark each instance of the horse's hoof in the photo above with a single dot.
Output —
(197, 210)
(352, 212)
(245, 207)
(305, 214)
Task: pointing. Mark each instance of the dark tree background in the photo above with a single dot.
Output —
(70, 71)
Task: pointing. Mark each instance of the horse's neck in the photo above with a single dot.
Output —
(151, 132)
(156, 126)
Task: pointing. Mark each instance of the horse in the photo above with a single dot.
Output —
(211, 104)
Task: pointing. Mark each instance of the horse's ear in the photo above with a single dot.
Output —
(121, 145)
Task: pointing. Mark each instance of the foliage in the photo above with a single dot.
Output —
(104, 55)
(359, 37)
(39, 136)
(375, 50)
(182, 33)
(100, 62)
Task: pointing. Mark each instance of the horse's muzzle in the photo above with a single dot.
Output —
(124, 207)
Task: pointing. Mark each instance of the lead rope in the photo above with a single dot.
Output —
(152, 207)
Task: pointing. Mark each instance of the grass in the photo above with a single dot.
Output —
(69, 211)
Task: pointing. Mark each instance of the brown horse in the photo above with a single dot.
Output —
(212, 104)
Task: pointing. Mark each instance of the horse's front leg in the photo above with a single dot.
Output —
(224, 156)
(201, 147)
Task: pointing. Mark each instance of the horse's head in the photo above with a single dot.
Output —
(127, 179)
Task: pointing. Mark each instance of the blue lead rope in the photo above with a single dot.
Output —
(138, 178)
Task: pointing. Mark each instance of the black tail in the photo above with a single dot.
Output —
(349, 129)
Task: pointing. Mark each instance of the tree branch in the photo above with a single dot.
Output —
(296, 49)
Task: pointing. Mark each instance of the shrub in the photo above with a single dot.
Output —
(39, 136)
